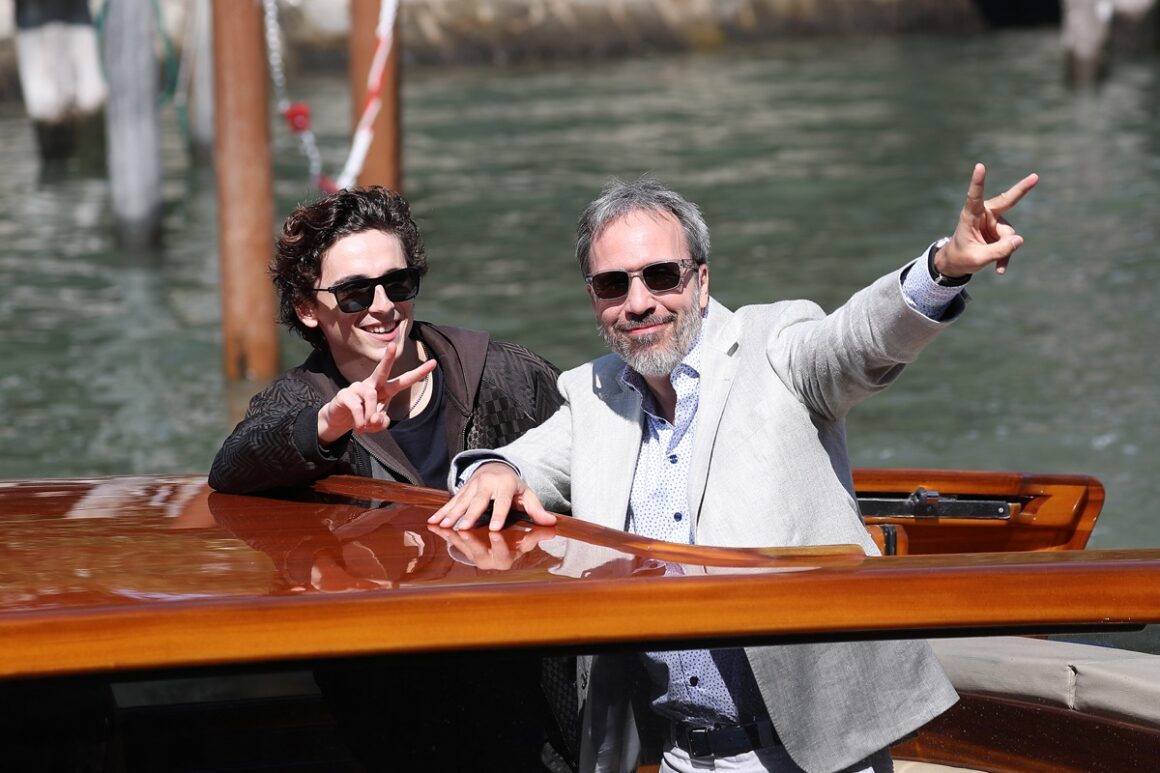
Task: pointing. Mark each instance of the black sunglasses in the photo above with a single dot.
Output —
(357, 295)
(657, 277)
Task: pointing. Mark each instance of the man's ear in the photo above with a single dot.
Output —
(703, 278)
(305, 312)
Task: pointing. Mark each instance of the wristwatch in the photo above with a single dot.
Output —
(939, 279)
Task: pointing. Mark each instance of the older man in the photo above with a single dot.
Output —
(715, 427)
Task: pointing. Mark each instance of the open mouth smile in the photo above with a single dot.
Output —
(381, 328)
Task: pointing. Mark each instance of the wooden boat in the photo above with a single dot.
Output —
(138, 578)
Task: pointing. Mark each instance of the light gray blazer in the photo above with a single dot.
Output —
(770, 468)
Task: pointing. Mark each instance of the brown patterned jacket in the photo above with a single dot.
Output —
(494, 391)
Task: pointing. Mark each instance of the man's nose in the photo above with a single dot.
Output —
(639, 299)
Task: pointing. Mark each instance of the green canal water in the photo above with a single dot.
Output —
(819, 165)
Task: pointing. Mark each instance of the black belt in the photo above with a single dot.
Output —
(702, 742)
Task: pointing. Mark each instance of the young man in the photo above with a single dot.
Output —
(716, 427)
(384, 395)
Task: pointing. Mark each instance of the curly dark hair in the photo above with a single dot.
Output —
(312, 229)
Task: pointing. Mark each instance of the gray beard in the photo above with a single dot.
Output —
(641, 356)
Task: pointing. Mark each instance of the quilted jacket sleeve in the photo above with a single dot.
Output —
(276, 444)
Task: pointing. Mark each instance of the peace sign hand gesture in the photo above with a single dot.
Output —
(982, 235)
(362, 406)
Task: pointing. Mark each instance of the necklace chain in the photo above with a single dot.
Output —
(423, 391)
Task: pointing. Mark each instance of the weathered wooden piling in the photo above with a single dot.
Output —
(132, 129)
(59, 67)
(197, 76)
(383, 165)
(1088, 27)
(245, 190)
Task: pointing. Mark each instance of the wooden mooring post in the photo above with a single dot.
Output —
(383, 164)
(197, 69)
(133, 134)
(59, 64)
(245, 190)
(1088, 27)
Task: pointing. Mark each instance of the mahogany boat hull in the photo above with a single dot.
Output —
(119, 579)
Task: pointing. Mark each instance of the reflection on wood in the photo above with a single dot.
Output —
(372, 491)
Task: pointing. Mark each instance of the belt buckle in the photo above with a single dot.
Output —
(699, 746)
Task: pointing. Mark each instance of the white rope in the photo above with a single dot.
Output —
(364, 133)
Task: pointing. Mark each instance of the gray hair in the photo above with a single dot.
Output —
(620, 198)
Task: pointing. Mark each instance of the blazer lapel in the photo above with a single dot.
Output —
(719, 365)
(618, 453)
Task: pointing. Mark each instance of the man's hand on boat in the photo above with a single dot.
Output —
(494, 485)
(362, 406)
(983, 236)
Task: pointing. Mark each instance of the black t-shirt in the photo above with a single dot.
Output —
(423, 438)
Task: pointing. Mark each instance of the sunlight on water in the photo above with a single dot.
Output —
(819, 166)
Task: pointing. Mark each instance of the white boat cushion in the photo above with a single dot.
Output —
(911, 766)
(1101, 680)
(1129, 687)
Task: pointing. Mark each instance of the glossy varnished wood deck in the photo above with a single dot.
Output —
(152, 573)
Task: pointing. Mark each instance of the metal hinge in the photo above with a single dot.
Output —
(925, 503)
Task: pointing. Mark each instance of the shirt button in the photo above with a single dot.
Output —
(693, 681)
(673, 459)
(677, 516)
